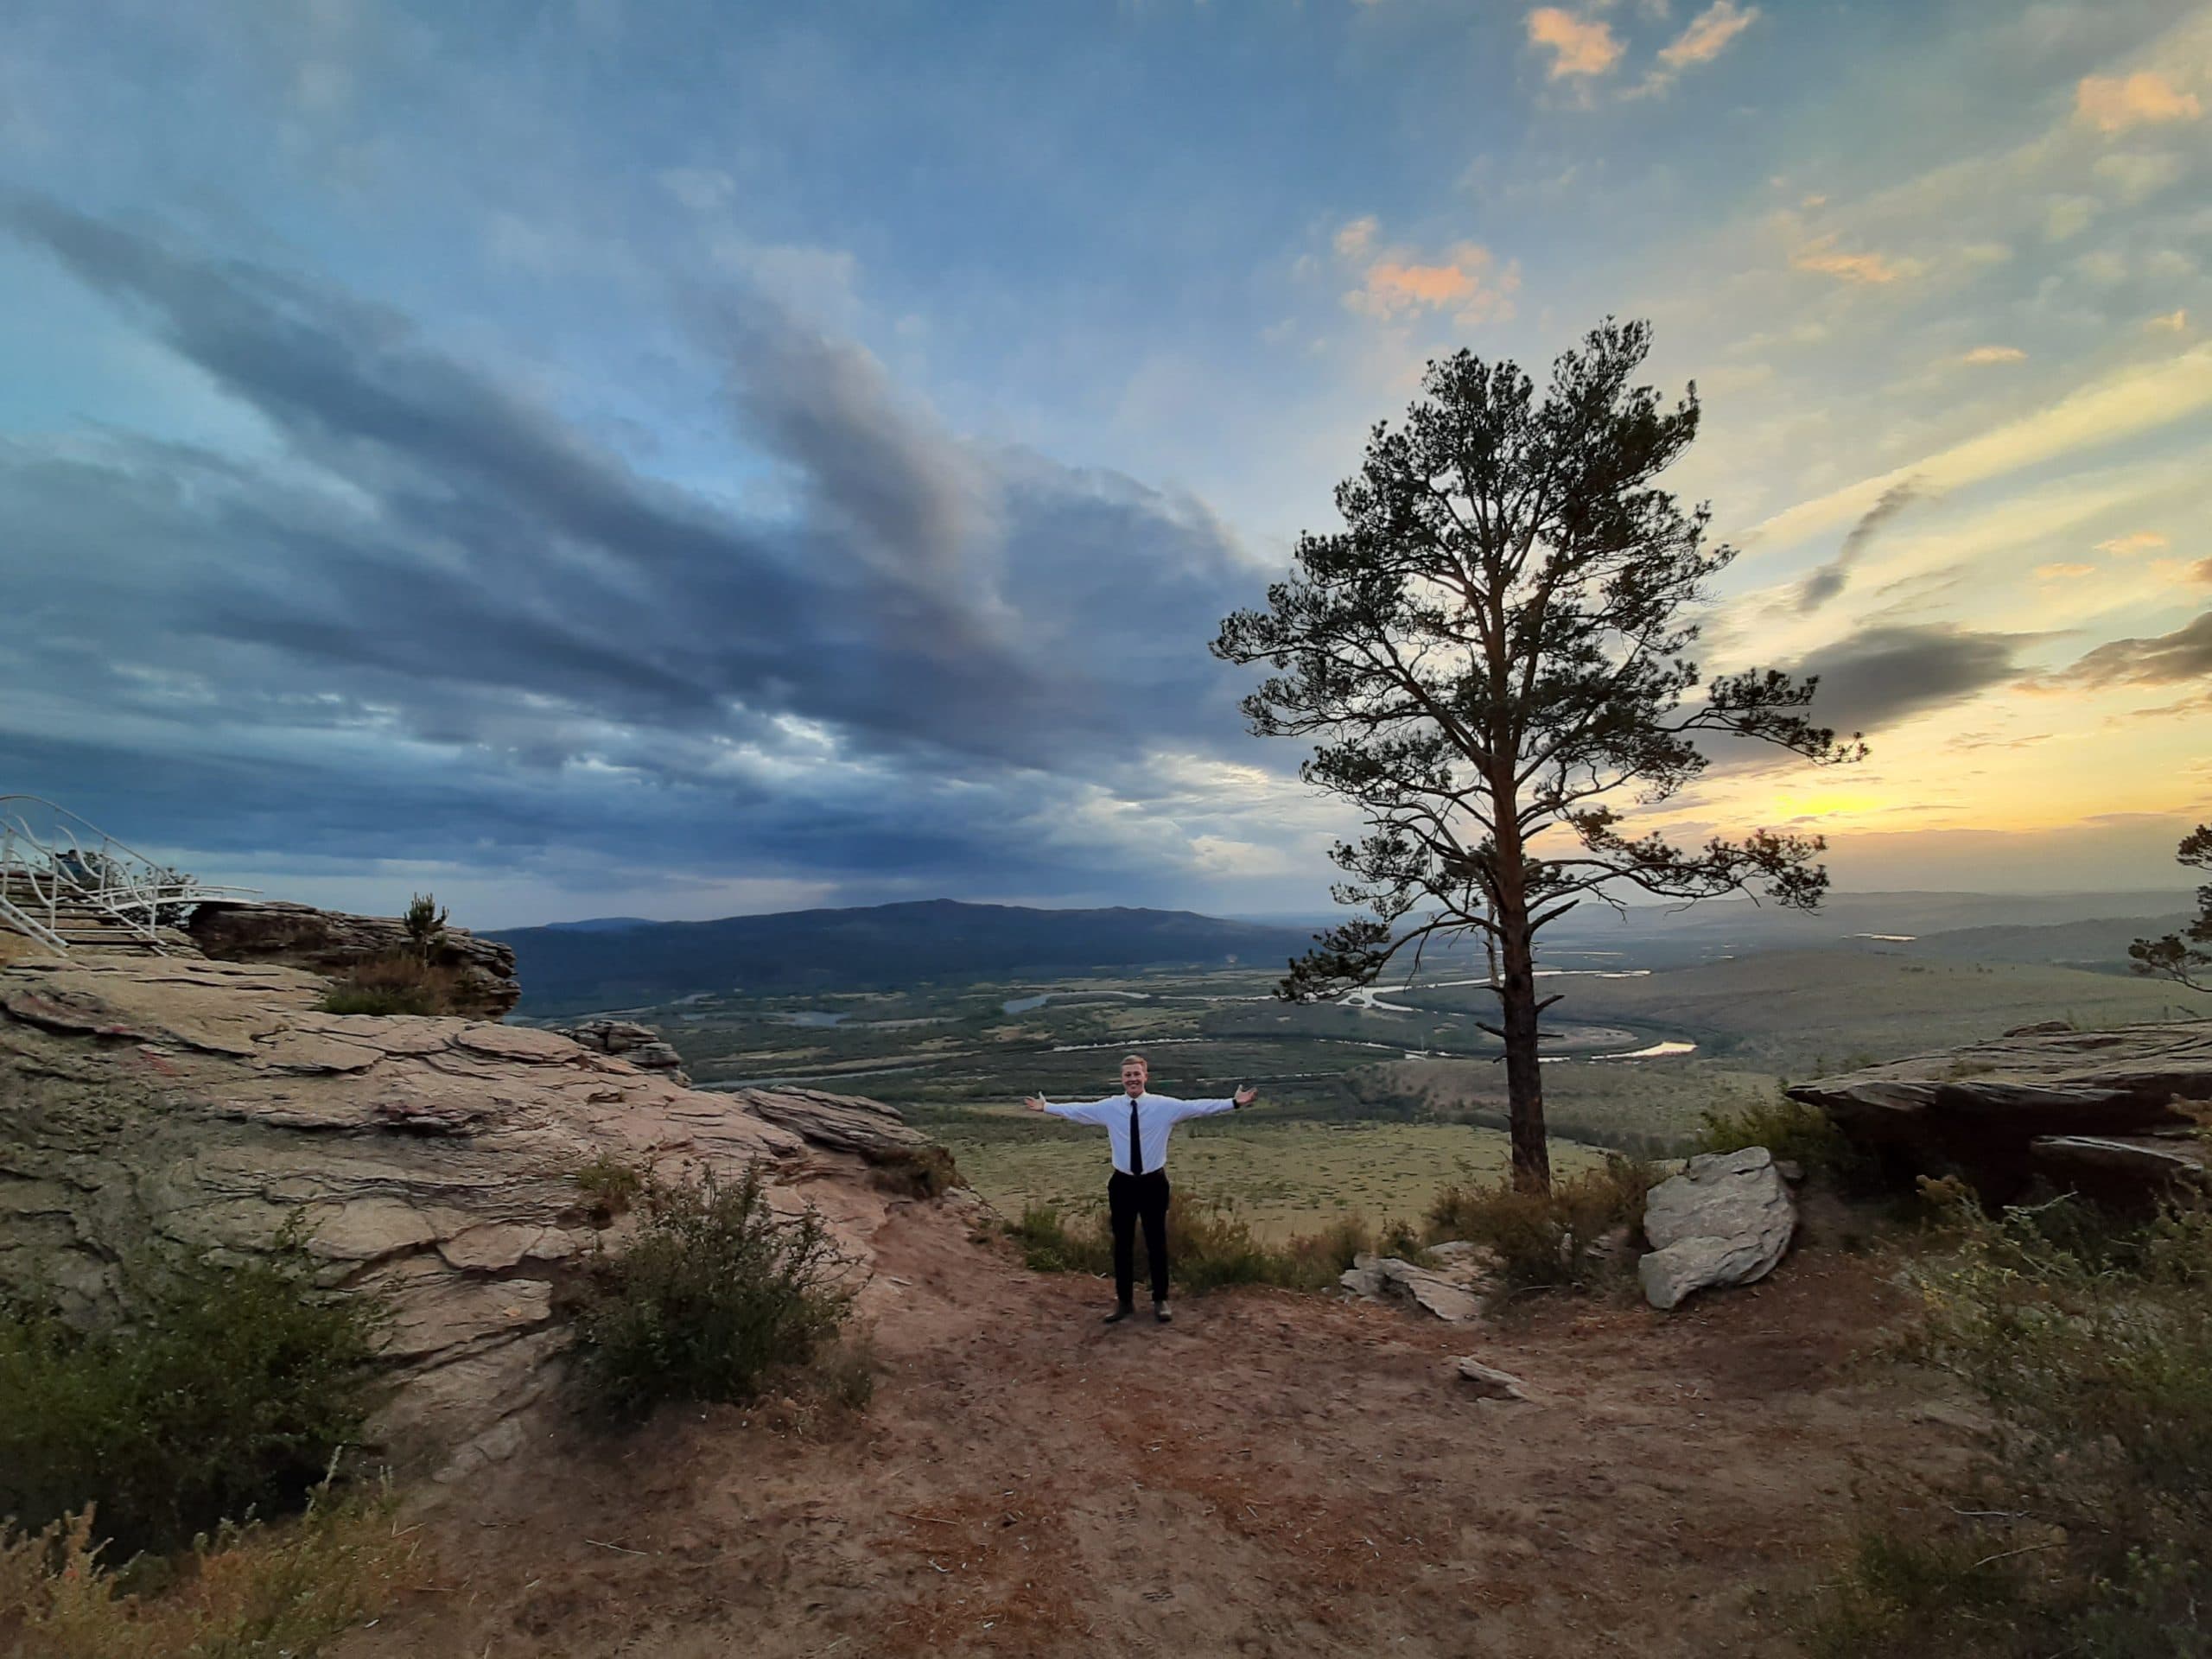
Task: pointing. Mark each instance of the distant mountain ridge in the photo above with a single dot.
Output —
(614, 962)
(2097, 942)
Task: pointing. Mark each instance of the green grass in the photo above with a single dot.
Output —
(1210, 1246)
(1284, 1177)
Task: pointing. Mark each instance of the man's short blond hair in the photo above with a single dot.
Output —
(1140, 1059)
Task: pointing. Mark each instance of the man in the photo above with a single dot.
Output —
(1136, 1123)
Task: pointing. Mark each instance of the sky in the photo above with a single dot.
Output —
(599, 457)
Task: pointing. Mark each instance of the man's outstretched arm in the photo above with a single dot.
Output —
(1241, 1098)
(1086, 1112)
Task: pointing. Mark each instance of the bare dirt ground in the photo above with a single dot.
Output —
(1272, 1474)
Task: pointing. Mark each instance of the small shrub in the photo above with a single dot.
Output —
(844, 1373)
(1548, 1237)
(251, 1591)
(1902, 1594)
(229, 1394)
(921, 1173)
(610, 1185)
(1049, 1245)
(1210, 1246)
(715, 1296)
(396, 983)
(1790, 1129)
(2090, 1340)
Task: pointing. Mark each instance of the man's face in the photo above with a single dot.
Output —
(1133, 1078)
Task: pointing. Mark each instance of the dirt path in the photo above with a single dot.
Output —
(1272, 1474)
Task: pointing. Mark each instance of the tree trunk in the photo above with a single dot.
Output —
(1524, 1082)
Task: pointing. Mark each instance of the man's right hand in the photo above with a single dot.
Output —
(1035, 1102)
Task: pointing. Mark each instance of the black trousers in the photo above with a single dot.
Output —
(1127, 1198)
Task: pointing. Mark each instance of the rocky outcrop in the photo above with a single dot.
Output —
(2113, 1112)
(1725, 1220)
(330, 942)
(1449, 1295)
(641, 1045)
(432, 1160)
(841, 1122)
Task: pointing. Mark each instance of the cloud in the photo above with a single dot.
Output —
(2067, 217)
(2113, 104)
(2065, 570)
(2163, 660)
(1995, 354)
(1880, 676)
(1825, 583)
(1706, 39)
(2143, 541)
(1580, 47)
(702, 189)
(2139, 177)
(2173, 322)
(1822, 255)
(1398, 282)
(438, 610)
(2137, 398)
(1708, 35)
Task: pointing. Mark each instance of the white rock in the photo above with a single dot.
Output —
(1491, 1384)
(1433, 1293)
(1725, 1220)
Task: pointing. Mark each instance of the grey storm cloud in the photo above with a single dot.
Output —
(2162, 659)
(1879, 675)
(433, 558)
(1825, 583)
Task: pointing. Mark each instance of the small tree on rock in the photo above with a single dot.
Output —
(425, 922)
(2186, 955)
(1491, 652)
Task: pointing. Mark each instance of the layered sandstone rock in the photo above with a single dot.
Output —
(2114, 1112)
(626, 1040)
(433, 1160)
(847, 1122)
(332, 942)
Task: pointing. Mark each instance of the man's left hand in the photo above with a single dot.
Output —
(1245, 1096)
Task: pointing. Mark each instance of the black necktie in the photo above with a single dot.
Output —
(1136, 1143)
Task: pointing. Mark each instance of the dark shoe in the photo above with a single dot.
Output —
(1118, 1314)
(1159, 1311)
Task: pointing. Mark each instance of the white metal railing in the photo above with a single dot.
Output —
(56, 869)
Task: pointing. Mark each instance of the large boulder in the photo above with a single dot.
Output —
(331, 942)
(641, 1045)
(1725, 1220)
(149, 1099)
(2114, 1112)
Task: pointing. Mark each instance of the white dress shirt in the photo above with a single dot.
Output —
(1156, 1115)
